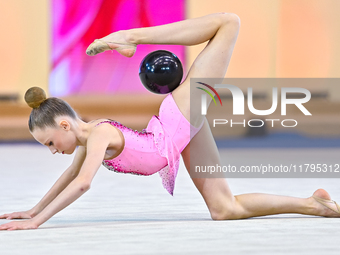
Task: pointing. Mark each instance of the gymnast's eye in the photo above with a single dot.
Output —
(50, 144)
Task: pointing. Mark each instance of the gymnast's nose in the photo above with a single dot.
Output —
(53, 150)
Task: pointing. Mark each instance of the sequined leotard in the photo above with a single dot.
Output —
(157, 148)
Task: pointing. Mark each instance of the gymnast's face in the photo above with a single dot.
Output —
(58, 139)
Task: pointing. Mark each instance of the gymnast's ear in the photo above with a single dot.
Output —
(65, 125)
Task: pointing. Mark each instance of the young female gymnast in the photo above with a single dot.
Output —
(53, 123)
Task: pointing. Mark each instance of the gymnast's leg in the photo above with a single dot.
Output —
(213, 62)
(221, 31)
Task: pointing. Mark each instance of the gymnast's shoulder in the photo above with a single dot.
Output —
(104, 135)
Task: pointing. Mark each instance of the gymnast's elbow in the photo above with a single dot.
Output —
(85, 187)
(83, 184)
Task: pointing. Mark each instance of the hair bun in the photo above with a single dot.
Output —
(35, 96)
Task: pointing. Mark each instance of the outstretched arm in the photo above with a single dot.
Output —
(64, 180)
(96, 147)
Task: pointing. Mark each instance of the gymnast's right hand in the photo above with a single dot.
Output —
(17, 215)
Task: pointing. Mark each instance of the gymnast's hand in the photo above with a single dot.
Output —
(17, 215)
(19, 225)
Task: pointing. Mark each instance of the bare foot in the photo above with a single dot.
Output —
(115, 41)
(323, 205)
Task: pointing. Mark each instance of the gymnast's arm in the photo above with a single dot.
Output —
(64, 180)
(97, 143)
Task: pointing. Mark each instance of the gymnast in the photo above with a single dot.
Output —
(157, 148)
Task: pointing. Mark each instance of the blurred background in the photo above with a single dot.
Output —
(43, 44)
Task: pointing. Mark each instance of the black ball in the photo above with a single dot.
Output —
(161, 72)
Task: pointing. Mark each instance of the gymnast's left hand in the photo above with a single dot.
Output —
(19, 225)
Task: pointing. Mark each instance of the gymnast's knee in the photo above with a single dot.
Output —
(230, 19)
(226, 211)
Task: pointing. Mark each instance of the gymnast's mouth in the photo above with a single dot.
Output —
(62, 152)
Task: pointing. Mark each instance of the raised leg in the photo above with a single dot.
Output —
(220, 29)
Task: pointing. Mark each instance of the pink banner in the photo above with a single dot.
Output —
(76, 23)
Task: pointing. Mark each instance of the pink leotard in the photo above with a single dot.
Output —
(157, 148)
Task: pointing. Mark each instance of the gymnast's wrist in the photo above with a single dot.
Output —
(33, 212)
